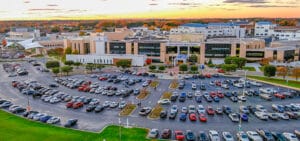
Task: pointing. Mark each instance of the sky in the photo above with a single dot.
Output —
(112, 9)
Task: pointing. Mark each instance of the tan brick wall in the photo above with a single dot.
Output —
(163, 52)
(233, 49)
(202, 53)
(128, 48)
(243, 50)
(280, 55)
(135, 46)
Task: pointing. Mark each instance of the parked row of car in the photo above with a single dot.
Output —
(213, 135)
(14, 69)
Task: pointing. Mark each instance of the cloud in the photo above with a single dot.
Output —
(245, 1)
(43, 9)
(52, 5)
(274, 6)
(184, 3)
(153, 4)
(26, 1)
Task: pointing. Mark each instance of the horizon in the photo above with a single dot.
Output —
(49, 10)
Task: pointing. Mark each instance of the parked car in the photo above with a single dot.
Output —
(164, 101)
(214, 135)
(254, 136)
(234, 117)
(179, 135)
(202, 136)
(145, 111)
(71, 122)
(290, 136)
(163, 114)
(153, 133)
(267, 136)
(166, 134)
(53, 120)
(190, 136)
(227, 136)
(242, 136)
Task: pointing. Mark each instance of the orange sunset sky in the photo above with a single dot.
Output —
(110, 9)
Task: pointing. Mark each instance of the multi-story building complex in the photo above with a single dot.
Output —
(283, 51)
(212, 30)
(21, 34)
(268, 29)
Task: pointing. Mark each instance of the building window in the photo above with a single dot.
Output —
(255, 54)
(217, 50)
(149, 49)
(117, 48)
(171, 49)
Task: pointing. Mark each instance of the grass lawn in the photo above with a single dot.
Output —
(248, 68)
(261, 69)
(291, 83)
(14, 128)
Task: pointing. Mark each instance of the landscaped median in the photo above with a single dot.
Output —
(154, 83)
(166, 95)
(174, 84)
(14, 128)
(276, 81)
(144, 93)
(127, 110)
(155, 113)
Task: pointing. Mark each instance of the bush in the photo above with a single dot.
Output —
(55, 70)
(124, 63)
(69, 63)
(211, 65)
(183, 67)
(162, 68)
(194, 68)
(152, 67)
(66, 69)
(229, 67)
(52, 64)
(269, 70)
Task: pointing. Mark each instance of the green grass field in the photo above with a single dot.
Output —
(14, 128)
(291, 83)
(248, 68)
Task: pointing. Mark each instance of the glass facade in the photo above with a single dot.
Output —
(289, 55)
(87, 49)
(117, 48)
(171, 49)
(217, 50)
(255, 54)
(149, 49)
(183, 50)
(195, 50)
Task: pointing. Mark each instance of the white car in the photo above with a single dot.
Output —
(239, 85)
(255, 83)
(225, 86)
(200, 109)
(53, 120)
(153, 133)
(261, 115)
(198, 93)
(283, 116)
(212, 83)
(260, 108)
(192, 109)
(244, 109)
(267, 90)
(242, 98)
(214, 135)
(227, 136)
(254, 136)
(164, 101)
(174, 109)
(242, 136)
(194, 86)
(290, 136)
(234, 117)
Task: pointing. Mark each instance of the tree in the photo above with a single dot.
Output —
(52, 64)
(66, 69)
(75, 52)
(81, 33)
(240, 62)
(77, 64)
(99, 66)
(264, 61)
(269, 70)
(162, 68)
(193, 58)
(229, 67)
(209, 62)
(194, 68)
(124, 63)
(55, 70)
(296, 72)
(90, 67)
(68, 50)
(69, 62)
(183, 67)
(282, 71)
(152, 67)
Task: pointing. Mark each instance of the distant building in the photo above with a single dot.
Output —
(21, 34)
(263, 28)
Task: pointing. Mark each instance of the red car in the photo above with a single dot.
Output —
(86, 89)
(192, 117)
(221, 71)
(210, 111)
(80, 88)
(207, 75)
(202, 118)
(14, 83)
(69, 105)
(278, 95)
(179, 135)
(218, 83)
(213, 94)
(220, 94)
(102, 78)
(77, 105)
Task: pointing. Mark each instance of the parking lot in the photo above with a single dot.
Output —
(96, 121)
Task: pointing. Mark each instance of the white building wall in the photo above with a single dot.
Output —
(263, 30)
(100, 44)
(137, 60)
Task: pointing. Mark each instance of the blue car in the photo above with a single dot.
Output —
(228, 94)
(182, 117)
(45, 118)
(244, 117)
(198, 99)
(216, 99)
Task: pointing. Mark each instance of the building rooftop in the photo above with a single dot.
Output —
(264, 23)
(194, 25)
